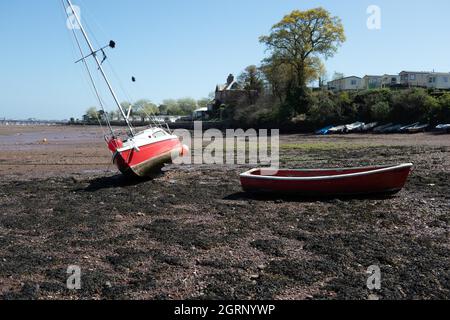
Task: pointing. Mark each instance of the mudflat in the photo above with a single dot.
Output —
(191, 233)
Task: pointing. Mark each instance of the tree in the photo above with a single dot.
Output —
(172, 107)
(412, 105)
(324, 109)
(381, 111)
(114, 115)
(163, 109)
(144, 108)
(251, 79)
(92, 113)
(441, 112)
(187, 105)
(203, 103)
(321, 74)
(297, 40)
(278, 77)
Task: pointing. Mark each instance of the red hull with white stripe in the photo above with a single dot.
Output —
(146, 153)
(328, 182)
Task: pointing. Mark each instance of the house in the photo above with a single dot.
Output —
(390, 80)
(231, 92)
(438, 80)
(346, 84)
(435, 80)
(228, 92)
(200, 114)
(372, 82)
(414, 79)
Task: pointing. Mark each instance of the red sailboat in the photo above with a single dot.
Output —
(136, 153)
(146, 152)
(328, 182)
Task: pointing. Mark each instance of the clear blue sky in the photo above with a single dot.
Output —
(180, 48)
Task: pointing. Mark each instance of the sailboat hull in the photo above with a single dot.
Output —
(149, 158)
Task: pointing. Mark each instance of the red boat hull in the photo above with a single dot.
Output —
(331, 182)
(148, 158)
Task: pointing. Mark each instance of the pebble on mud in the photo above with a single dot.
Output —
(76, 180)
(262, 266)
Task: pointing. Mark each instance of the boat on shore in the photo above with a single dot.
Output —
(354, 127)
(138, 153)
(443, 128)
(380, 128)
(405, 129)
(392, 129)
(324, 131)
(369, 127)
(328, 182)
(418, 128)
(147, 152)
(336, 130)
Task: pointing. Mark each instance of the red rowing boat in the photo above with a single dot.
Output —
(328, 182)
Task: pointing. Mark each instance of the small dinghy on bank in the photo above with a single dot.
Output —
(328, 182)
(443, 128)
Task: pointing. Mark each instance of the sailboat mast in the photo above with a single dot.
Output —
(100, 67)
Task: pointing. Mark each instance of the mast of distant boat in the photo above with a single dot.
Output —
(100, 67)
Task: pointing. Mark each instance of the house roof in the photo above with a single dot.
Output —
(227, 87)
(440, 73)
(346, 78)
(416, 72)
(201, 110)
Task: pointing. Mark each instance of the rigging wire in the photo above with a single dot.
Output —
(86, 82)
(151, 116)
(100, 68)
(96, 42)
(127, 95)
(92, 80)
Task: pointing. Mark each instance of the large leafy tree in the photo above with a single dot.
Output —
(144, 108)
(92, 113)
(299, 40)
(278, 77)
(170, 106)
(251, 79)
(187, 105)
(203, 103)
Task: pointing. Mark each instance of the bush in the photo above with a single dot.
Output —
(412, 105)
(380, 111)
(264, 112)
(440, 113)
(324, 109)
(373, 105)
(347, 107)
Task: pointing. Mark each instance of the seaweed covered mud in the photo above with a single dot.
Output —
(191, 233)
